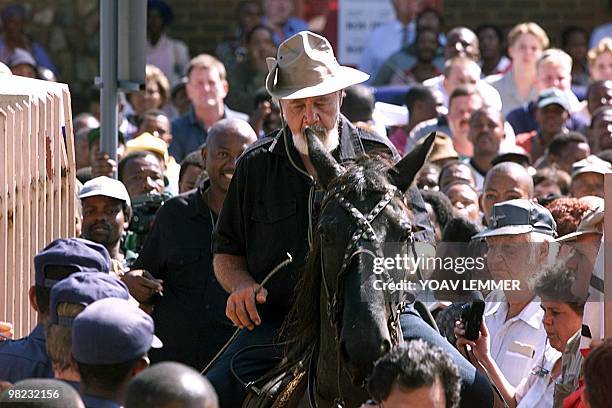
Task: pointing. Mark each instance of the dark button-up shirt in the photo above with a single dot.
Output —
(188, 133)
(265, 212)
(25, 358)
(190, 317)
(523, 120)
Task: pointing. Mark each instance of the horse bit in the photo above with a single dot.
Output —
(364, 231)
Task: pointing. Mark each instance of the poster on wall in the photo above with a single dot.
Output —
(356, 18)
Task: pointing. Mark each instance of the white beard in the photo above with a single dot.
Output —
(329, 138)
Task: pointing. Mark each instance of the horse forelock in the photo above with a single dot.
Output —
(365, 176)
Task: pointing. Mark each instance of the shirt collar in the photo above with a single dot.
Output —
(198, 207)
(194, 121)
(38, 332)
(192, 117)
(531, 314)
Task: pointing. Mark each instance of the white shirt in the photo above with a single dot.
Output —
(479, 178)
(593, 316)
(171, 56)
(537, 391)
(516, 344)
(383, 41)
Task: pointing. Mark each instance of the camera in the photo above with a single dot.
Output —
(144, 209)
(471, 315)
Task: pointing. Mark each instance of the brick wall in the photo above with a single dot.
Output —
(552, 15)
(68, 29)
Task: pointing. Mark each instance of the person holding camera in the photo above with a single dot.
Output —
(562, 321)
(519, 244)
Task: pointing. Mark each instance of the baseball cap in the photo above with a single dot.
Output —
(81, 254)
(94, 135)
(84, 288)
(552, 96)
(591, 164)
(105, 186)
(518, 216)
(148, 143)
(112, 331)
(591, 223)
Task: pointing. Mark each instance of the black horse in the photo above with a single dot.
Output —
(341, 321)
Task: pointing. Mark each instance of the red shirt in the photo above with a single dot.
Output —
(525, 140)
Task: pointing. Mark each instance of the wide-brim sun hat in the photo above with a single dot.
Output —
(305, 66)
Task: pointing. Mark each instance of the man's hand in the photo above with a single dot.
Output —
(103, 165)
(259, 115)
(142, 285)
(6, 330)
(242, 305)
(4, 385)
(479, 347)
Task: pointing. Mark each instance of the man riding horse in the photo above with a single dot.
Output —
(273, 203)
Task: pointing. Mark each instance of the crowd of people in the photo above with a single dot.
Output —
(216, 185)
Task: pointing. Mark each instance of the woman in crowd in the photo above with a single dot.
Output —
(154, 97)
(562, 322)
(526, 41)
(600, 60)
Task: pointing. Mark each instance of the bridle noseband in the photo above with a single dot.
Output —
(363, 232)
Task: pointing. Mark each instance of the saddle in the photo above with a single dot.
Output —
(283, 387)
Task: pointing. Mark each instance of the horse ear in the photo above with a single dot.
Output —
(324, 163)
(403, 173)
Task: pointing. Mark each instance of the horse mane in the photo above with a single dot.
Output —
(301, 328)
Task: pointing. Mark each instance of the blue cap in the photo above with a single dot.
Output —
(81, 254)
(112, 331)
(84, 288)
(519, 216)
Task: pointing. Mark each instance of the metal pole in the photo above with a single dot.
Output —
(108, 71)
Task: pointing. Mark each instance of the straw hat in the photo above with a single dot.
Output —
(305, 66)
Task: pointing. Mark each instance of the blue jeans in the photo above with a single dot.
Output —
(475, 388)
(249, 366)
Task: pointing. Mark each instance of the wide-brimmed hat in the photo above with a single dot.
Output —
(442, 149)
(305, 66)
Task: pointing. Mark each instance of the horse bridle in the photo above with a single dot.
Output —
(363, 231)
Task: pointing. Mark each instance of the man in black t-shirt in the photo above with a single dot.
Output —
(190, 317)
(272, 204)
